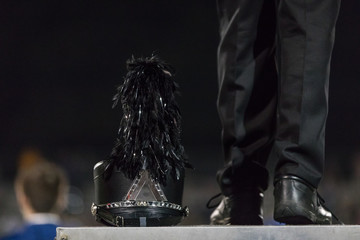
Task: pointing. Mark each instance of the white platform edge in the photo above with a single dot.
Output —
(314, 232)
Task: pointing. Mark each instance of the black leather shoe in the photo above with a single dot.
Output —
(243, 209)
(297, 202)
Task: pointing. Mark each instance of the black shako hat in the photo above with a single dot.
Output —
(141, 182)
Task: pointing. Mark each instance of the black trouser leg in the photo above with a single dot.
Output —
(247, 91)
(305, 39)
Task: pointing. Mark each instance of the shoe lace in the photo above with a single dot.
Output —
(211, 206)
(322, 201)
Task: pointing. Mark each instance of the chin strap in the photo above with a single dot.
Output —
(106, 217)
(160, 212)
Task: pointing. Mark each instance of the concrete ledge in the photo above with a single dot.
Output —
(350, 232)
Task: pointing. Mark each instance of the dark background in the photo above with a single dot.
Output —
(60, 63)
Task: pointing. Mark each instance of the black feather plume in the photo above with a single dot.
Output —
(149, 133)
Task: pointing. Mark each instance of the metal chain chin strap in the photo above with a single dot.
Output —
(133, 203)
(102, 212)
(106, 216)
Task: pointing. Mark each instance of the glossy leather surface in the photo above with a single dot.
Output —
(111, 190)
(297, 202)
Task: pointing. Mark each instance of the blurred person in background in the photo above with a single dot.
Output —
(41, 190)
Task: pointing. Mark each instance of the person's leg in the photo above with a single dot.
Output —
(246, 102)
(305, 39)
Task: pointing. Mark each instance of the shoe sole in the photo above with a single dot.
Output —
(291, 216)
(294, 220)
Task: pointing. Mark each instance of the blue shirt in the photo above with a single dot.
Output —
(34, 232)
